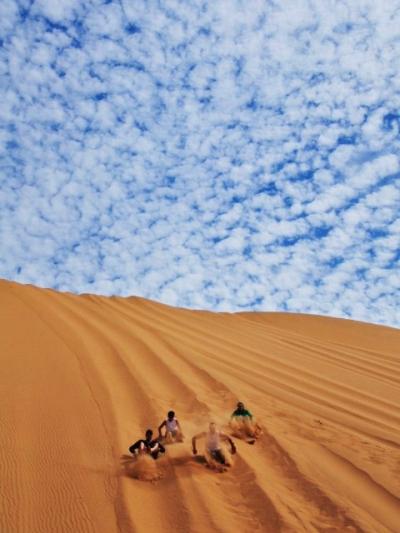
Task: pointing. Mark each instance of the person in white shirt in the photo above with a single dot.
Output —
(213, 438)
(173, 431)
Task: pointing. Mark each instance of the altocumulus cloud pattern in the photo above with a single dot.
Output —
(228, 154)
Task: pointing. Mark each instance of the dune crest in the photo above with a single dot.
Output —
(84, 376)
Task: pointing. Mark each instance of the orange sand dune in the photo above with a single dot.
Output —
(82, 377)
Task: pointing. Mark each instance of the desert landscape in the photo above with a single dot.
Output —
(84, 376)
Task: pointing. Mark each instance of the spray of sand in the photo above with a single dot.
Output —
(243, 428)
(145, 468)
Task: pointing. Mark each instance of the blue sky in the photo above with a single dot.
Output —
(226, 155)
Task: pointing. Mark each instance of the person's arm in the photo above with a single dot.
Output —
(198, 436)
(178, 424)
(155, 445)
(161, 447)
(135, 446)
(160, 428)
(232, 444)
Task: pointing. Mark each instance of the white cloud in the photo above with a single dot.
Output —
(220, 157)
(60, 11)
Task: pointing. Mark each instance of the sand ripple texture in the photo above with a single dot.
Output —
(82, 377)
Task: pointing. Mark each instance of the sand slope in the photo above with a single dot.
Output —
(82, 377)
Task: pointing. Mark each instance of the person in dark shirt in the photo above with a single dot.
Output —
(147, 445)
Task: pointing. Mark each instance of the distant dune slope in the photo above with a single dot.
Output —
(82, 377)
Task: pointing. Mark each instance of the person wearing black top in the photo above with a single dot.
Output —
(147, 445)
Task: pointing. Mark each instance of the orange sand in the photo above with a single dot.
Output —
(82, 377)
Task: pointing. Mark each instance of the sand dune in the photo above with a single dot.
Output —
(82, 377)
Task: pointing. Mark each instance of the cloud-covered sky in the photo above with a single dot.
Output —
(227, 155)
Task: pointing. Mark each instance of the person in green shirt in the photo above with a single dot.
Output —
(243, 425)
(241, 411)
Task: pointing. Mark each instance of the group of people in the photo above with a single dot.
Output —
(241, 423)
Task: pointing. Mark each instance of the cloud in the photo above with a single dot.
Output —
(205, 155)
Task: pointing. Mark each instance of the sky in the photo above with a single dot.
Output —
(230, 155)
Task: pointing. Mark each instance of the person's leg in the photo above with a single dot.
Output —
(257, 430)
(218, 456)
(238, 427)
(169, 437)
(249, 427)
(179, 436)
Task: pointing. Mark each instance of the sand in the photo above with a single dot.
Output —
(82, 378)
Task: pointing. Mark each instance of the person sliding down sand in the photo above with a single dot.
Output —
(214, 450)
(173, 431)
(147, 446)
(242, 423)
